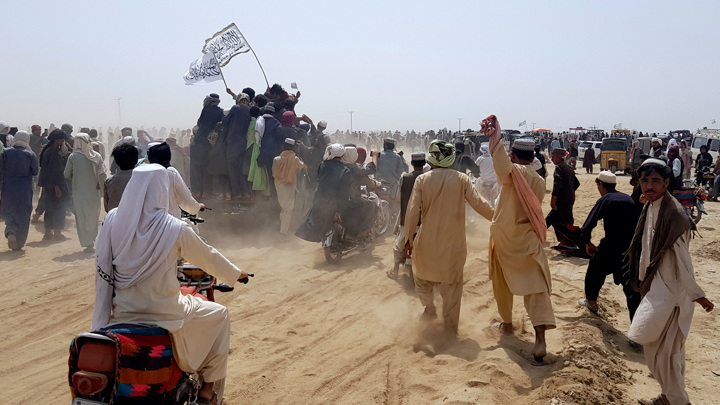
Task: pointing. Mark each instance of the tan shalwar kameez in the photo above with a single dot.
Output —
(200, 329)
(518, 265)
(286, 194)
(439, 248)
(180, 195)
(662, 321)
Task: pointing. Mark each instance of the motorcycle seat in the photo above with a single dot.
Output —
(99, 357)
(186, 290)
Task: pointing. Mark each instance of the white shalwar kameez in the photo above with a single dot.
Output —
(662, 321)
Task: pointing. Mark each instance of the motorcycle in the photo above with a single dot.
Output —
(338, 244)
(692, 197)
(98, 364)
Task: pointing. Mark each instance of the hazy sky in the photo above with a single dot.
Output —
(650, 65)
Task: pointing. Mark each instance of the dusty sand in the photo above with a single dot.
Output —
(305, 332)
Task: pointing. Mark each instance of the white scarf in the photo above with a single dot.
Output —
(81, 144)
(135, 239)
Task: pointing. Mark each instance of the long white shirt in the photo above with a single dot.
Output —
(487, 170)
(180, 197)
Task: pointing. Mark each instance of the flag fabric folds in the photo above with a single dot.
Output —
(226, 43)
(204, 70)
(522, 123)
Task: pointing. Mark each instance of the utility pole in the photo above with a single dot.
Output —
(351, 114)
(533, 125)
(119, 111)
(459, 124)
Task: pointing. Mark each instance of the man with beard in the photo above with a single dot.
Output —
(657, 149)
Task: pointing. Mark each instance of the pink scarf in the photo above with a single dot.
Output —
(530, 203)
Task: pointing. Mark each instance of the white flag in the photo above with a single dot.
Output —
(618, 126)
(226, 43)
(522, 123)
(713, 121)
(203, 70)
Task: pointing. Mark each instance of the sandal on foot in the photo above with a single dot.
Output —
(12, 242)
(205, 401)
(584, 303)
(658, 400)
(391, 275)
(500, 327)
(428, 315)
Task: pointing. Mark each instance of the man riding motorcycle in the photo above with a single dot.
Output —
(136, 282)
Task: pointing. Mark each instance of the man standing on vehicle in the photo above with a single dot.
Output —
(619, 215)
(563, 195)
(437, 205)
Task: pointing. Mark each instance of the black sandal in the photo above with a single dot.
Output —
(204, 401)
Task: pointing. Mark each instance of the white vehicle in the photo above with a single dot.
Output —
(589, 144)
(709, 138)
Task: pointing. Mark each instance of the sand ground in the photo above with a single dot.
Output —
(305, 332)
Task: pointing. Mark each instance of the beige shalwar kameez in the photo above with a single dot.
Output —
(200, 329)
(287, 194)
(439, 248)
(517, 261)
(662, 321)
(180, 195)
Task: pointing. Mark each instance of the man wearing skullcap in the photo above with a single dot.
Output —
(563, 194)
(517, 262)
(661, 269)
(437, 206)
(333, 191)
(285, 169)
(417, 160)
(18, 167)
(619, 215)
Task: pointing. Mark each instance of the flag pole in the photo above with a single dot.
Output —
(220, 69)
(256, 58)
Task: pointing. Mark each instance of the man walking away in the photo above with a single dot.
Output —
(662, 271)
(563, 195)
(126, 157)
(437, 205)
(406, 187)
(86, 173)
(285, 168)
(54, 187)
(619, 215)
(18, 166)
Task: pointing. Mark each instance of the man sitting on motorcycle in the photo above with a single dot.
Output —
(703, 161)
(359, 212)
(333, 190)
(136, 281)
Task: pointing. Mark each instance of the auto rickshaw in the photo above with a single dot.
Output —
(613, 155)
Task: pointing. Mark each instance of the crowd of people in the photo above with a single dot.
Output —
(261, 150)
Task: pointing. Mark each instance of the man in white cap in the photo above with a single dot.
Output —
(333, 191)
(619, 215)
(657, 149)
(516, 261)
(662, 270)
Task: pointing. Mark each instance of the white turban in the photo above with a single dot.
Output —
(351, 155)
(4, 127)
(333, 151)
(485, 149)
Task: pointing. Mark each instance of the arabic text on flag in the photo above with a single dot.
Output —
(226, 43)
(203, 70)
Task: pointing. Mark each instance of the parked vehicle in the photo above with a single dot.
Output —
(613, 156)
(584, 145)
(692, 197)
(709, 138)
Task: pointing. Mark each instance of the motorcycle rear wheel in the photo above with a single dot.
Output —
(333, 253)
(382, 222)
